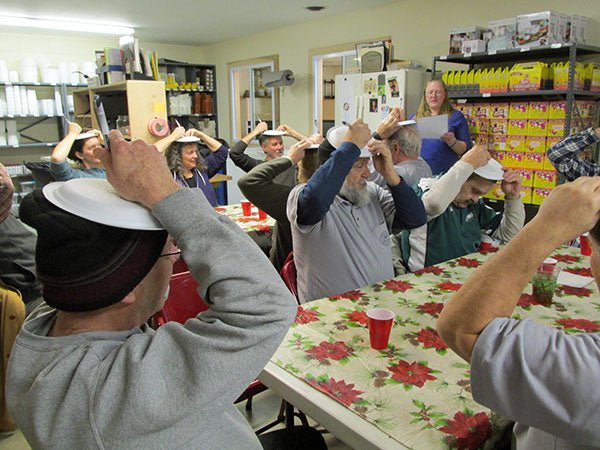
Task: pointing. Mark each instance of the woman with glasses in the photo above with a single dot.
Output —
(442, 153)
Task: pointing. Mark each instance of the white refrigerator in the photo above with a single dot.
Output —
(370, 96)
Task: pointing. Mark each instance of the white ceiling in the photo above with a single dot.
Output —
(185, 22)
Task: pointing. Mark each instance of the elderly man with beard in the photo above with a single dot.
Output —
(341, 223)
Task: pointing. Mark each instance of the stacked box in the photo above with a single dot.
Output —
(539, 195)
(536, 144)
(498, 111)
(539, 29)
(498, 126)
(480, 138)
(538, 110)
(555, 128)
(481, 110)
(533, 161)
(516, 143)
(527, 77)
(557, 110)
(458, 35)
(464, 108)
(499, 156)
(515, 160)
(503, 34)
(552, 141)
(548, 165)
(526, 177)
(587, 108)
(518, 110)
(536, 127)
(517, 127)
(545, 179)
(526, 194)
(498, 143)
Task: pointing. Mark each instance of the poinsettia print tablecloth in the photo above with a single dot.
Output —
(246, 223)
(417, 390)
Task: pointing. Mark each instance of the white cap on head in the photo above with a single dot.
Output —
(491, 171)
(274, 133)
(188, 139)
(336, 136)
(86, 135)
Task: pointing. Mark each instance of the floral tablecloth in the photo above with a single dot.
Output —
(417, 390)
(246, 223)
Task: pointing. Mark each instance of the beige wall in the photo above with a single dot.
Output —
(419, 29)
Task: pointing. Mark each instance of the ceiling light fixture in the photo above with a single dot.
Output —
(87, 27)
(315, 8)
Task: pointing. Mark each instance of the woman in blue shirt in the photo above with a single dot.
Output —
(442, 153)
(78, 147)
(192, 170)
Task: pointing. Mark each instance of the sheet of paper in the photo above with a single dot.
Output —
(571, 279)
(433, 127)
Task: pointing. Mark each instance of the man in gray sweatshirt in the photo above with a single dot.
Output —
(86, 372)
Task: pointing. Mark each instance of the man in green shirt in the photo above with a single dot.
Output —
(456, 214)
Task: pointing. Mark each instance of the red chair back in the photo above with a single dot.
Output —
(288, 273)
(183, 301)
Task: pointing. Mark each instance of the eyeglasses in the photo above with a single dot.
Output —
(436, 93)
(178, 252)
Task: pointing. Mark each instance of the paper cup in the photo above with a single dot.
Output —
(584, 244)
(262, 215)
(246, 207)
(380, 325)
(548, 265)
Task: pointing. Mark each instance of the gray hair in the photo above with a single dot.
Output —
(408, 139)
(175, 161)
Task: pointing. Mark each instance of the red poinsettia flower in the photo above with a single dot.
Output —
(526, 300)
(583, 271)
(431, 339)
(335, 351)
(566, 258)
(397, 285)
(431, 308)
(470, 431)
(579, 292)
(431, 269)
(411, 373)
(449, 286)
(306, 316)
(468, 262)
(245, 219)
(339, 390)
(490, 250)
(352, 295)
(263, 227)
(579, 324)
(359, 317)
(217, 209)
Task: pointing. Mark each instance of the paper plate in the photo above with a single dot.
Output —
(188, 139)
(96, 200)
(336, 136)
(274, 133)
(86, 135)
(312, 147)
(406, 123)
(491, 171)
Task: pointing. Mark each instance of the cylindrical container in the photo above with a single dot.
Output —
(246, 207)
(584, 243)
(380, 325)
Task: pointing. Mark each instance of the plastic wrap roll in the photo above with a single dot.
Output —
(158, 127)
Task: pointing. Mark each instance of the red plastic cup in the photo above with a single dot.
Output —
(584, 244)
(246, 207)
(262, 215)
(380, 325)
(548, 265)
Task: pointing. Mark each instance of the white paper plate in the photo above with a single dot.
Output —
(406, 123)
(491, 171)
(188, 139)
(86, 135)
(336, 135)
(274, 133)
(96, 200)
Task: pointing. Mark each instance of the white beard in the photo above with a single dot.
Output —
(358, 197)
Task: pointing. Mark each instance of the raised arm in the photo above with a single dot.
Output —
(163, 144)
(260, 128)
(212, 144)
(62, 149)
(494, 289)
(291, 132)
(564, 156)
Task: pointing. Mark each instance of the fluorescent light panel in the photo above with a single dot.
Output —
(65, 25)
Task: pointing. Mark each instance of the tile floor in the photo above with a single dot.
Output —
(265, 407)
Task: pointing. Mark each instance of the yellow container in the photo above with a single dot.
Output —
(498, 142)
(516, 143)
(526, 177)
(536, 127)
(498, 111)
(538, 110)
(526, 194)
(498, 127)
(527, 76)
(557, 110)
(515, 160)
(545, 179)
(539, 195)
(517, 127)
(499, 156)
(518, 110)
(534, 161)
(536, 144)
(555, 128)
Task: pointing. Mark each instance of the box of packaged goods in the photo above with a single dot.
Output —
(545, 179)
(527, 77)
(533, 161)
(538, 110)
(555, 128)
(498, 142)
(586, 108)
(552, 141)
(561, 75)
(536, 127)
(498, 111)
(499, 156)
(526, 177)
(526, 194)
(539, 29)
(557, 110)
(579, 25)
(536, 144)
(480, 110)
(480, 138)
(496, 193)
(498, 127)
(473, 46)
(503, 34)
(464, 108)
(516, 143)
(518, 110)
(514, 160)
(517, 127)
(548, 164)
(458, 35)
(539, 195)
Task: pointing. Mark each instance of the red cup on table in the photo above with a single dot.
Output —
(548, 265)
(246, 207)
(262, 215)
(584, 244)
(380, 326)
(487, 244)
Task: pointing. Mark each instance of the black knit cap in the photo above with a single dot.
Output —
(85, 265)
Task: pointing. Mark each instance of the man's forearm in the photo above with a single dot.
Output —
(512, 220)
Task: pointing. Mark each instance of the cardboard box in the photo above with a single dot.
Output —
(539, 195)
(557, 110)
(480, 110)
(538, 110)
(498, 111)
(555, 128)
(517, 127)
(526, 194)
(536, 144)
(533, 161)
(527, 77)
(526, 177)
(458, 35)
(499, 156)
(516, 143)
(498, 142)
(480, 138)
(539, 29)
(473, 46)
(536, 127)
(548, 165)
(587, 108)
(464, 108)
(503, 33)
(551, 141)
(498, 127)
(579, 25)
(545, 179)
(514, 160)
(518, 110)
(495, 194)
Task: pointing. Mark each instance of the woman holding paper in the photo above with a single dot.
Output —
(442, 153)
